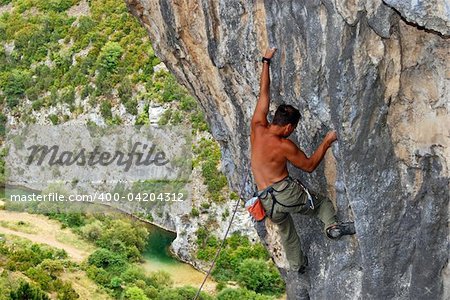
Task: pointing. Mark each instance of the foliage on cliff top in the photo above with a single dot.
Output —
(51, 57)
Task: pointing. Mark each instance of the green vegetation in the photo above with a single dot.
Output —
(27, 291)
(72, 220)
(112, 266)
(259, 276)
(182, 293)
(242, 262)
(41, 264)
(52, 55)
(54, 119)
(241, 294)
(3, 153)
(208, 157)
(114, 47)
(118, 236)
(109, 57)
(195, 212)
(166, 90)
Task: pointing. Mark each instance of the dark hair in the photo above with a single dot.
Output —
(286, 114)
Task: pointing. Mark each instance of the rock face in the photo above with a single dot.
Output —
(377, 73)
(434, 15)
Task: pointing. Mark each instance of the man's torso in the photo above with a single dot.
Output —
(267, 158)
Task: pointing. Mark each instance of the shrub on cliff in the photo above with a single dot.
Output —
(109, 56)
(237, 249)
(134, 293)
(260, 276)
(55, 5)
(208, 156)
(27, 291)
(14, 85)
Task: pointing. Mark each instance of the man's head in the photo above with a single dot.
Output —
(286, 116)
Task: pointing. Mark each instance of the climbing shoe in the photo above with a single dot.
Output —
(338, 230)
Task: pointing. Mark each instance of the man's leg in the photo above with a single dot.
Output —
(288, 234)
(324, 210)
(291, 243)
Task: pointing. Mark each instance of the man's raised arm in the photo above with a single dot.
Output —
(262, 107)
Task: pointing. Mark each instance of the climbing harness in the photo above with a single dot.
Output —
(271, 191)
(224, 237)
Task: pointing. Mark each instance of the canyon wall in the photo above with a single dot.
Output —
(376, 72)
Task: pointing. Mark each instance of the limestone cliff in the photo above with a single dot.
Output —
(378, 73)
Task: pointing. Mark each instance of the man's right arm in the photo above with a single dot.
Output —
(299, 159)
(262, 106)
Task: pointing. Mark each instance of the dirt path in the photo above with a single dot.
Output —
(73, 253)
(47, 232)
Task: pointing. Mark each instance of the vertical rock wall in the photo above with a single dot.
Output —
(378, 73)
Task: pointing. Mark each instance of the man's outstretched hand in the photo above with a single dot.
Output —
(270, 52)
(331, 137)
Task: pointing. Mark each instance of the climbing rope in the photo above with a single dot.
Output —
(224, 237)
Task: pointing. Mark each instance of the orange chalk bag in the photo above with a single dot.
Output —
(255, 208)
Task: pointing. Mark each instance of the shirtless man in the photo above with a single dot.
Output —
(280, 194)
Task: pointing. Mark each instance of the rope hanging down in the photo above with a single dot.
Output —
(223, 240)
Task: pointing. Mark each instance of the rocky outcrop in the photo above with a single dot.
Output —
(377, 72)
(432, 15)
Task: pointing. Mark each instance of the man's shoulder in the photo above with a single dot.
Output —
(258, 128)
(288, 145)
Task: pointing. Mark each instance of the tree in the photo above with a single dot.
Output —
(103, 258)
(92, 231)
(134, 293)
(123, 236)
(258, 276)
(29, 292)
(110, 56)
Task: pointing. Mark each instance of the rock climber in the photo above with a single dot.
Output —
(279, 193)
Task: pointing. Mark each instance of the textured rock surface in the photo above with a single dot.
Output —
(434, 15)
(354, 66)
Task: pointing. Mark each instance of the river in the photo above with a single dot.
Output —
(157, 258)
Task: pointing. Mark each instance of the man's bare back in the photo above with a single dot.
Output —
(269, 163)
(271, 150)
